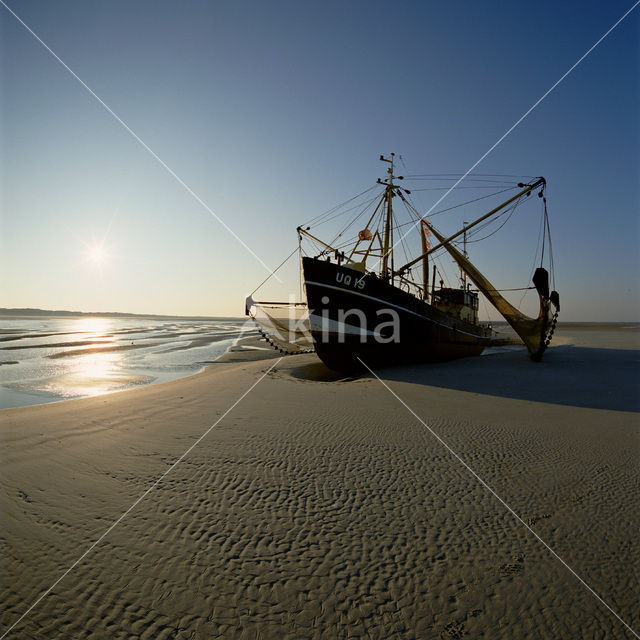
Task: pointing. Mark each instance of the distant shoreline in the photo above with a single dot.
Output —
(43, 313)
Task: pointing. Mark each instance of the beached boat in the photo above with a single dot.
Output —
(361, 308)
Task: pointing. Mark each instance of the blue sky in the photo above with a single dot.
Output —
(274, 112)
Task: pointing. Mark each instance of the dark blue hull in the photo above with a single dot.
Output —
(361, 317)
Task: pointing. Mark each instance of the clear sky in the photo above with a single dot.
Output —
(273, 112)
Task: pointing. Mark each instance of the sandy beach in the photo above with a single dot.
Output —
(320, 507)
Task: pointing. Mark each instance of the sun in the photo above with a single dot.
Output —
(96, 255)
(97, 252)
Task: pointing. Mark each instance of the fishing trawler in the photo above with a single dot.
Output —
(361, 308)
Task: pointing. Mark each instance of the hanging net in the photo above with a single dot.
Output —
(284, 325)
(536, 333)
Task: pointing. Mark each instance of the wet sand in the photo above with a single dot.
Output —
(99, 355)
(320, 507)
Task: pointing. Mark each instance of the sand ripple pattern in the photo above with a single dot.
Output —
(302, 517)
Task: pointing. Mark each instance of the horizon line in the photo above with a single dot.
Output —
(18, 312)
(22, 312)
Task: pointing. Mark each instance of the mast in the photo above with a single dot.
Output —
(425, 261)
(387, 249)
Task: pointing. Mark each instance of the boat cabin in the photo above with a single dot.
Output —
(461, 303)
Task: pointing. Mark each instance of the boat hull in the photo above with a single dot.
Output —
(357, 318)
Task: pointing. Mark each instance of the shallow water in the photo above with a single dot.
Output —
(58, 358)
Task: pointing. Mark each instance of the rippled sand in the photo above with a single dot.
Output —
(320, 507)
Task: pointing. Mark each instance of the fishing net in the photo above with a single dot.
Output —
(284, 325)
(536, 333)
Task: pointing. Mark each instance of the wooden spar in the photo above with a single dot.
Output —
(527, 189)
(425, 260)
(463, 273)
(306, 233)
(368, 251)
(433, 283)
(366, 227)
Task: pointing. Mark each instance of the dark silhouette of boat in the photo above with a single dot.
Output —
(383, 315)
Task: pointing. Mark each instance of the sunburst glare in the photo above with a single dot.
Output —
(96, 254)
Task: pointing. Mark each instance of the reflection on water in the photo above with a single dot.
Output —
(93, 375)
(58, 358)
(98, 365)
(93, 327)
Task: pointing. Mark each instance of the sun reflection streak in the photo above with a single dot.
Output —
(98, 365)
(93, 373)
(92, 325)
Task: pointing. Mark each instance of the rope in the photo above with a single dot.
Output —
(316, 219)
(457, 206)
(273, 272)
(457, 175)
(544, 230)
(551, 262)
(366, 206)
(541, 232)
(341, 213)
(444, 188)
(510, 211)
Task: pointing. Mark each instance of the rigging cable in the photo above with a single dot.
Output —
(487, 309)
(544, 234)
(551, 263)
(455, 176)
(510, 213)
(541, 232)
(457, 188)
(269, 276)
(300, 260)
(366, 206)
(337, 207)
(462, 204)
(337, 214)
